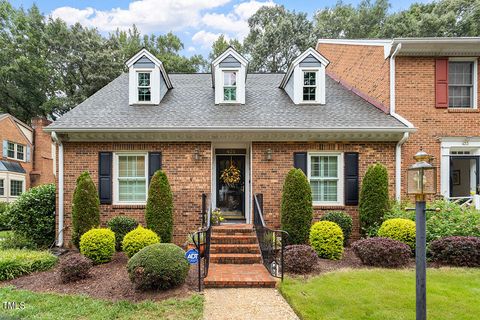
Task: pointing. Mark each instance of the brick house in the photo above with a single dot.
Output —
(430, 82)
(27, 156)
(194, 126)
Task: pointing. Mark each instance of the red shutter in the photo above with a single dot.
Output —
(441, 83)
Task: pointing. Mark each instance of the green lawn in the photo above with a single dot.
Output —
(4, 233)
(384, 294)
(63, 307)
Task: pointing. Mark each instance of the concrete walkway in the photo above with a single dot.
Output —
(246, 304)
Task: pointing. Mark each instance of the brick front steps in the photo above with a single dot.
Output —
(235, 259)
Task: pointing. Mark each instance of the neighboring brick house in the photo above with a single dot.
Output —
(27, 156)
(194, 126)
(432, 83)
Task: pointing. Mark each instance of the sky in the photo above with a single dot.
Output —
(197, 22)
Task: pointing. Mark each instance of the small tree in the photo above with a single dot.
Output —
(85, 207)
(374, 200)
(296, 209)
(159, 211)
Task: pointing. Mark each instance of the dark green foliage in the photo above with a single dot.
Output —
(456, 251)
(296, 209)
(158, 266)
(343, 220)
(374, 201)
(13, 240)
(382, 252)
(121, 225)
(85, 207)
(75, 267)
(300, 259)
(32, 215)
(4, 217)
(159, 211)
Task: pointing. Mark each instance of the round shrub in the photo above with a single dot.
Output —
(74, 267)
(326, 238)
(121, 225)
(138, 239)
(382, 252)
(456, 251)
(343, 220)
(296, 208)
(399, 229)
(98, 245)
(158, 266)
(300, 258)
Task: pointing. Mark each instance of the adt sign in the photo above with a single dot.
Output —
(192, 256)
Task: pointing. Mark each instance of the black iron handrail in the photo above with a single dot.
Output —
(201, 240)
(271, 241)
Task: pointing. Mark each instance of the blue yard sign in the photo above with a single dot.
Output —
(192, 256)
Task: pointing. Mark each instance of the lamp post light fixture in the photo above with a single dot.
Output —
(421, 181)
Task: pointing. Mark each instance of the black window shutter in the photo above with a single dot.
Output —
(154, 163)
(351, 178)
(300, 161)
(105, 177)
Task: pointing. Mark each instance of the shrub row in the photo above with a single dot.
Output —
(456, 251)
(14, 263)
(382, 252)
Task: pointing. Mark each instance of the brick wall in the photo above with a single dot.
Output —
(268, 175)
(188, 178)
(43, 171)
(362, 67)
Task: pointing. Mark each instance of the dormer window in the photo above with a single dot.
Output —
(144, 88)
(230, 86)
(309, 85)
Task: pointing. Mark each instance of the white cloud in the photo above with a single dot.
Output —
(191, 49)
(205, 38)
(148, 15)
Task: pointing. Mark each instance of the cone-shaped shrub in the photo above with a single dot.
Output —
(296, 209)
(374, 201)
(85, 208)
(159, 211)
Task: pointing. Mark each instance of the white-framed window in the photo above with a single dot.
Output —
(144, 86)
(130, 178)
(325, 174)
(230, 86)
(16, 151)
(2, 187)
(16, 187)
(462, 83)
(309, 90)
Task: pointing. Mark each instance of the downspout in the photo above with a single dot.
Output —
(60, 209)
(398, 147)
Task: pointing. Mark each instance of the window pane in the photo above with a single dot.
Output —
(460, 97)
(16, 188)
(2, 188)
(309, 78)
(132, 190)
(229, 78)
(20, 154)
(131, 178)
(324, 166)
(309, 93)
(144, 94)
(131, 166)
(144, 79)
(229, 94)
(324, 190)
(10, 150)
(460, 84)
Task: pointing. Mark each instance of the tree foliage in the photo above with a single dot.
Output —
(221, 44)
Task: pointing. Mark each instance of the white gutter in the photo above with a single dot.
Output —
(60, 208)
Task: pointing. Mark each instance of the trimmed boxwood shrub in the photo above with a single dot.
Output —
(399, 229)
(32, 215)
(296, 208)
(15, 263)
(85, 207)
(158, 266)
(382, 252)
(98, 245)
(74, 267)
(374, 201)
(138, 239)
(456, 251)
(343, 220)
(159, 210)
(326, 238)
(121, 225)
(299, 258)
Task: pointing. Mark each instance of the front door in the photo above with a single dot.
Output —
(231, 186)
(464, 177)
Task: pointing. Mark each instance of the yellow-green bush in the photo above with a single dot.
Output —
(98, 245)
(326, 238)
(138, 239)
(399, 229)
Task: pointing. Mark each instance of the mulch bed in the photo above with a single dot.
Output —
(107, 281)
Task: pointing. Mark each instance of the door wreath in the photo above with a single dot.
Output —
(231, 175)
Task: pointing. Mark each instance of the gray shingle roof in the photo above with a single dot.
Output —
(190, 105)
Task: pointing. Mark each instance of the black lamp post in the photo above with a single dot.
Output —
(421, 181)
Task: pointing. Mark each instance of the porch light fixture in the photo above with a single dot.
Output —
(196, 154)
(421, 181)
(268, 154)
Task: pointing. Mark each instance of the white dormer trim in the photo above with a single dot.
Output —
(297, 71)
(218, 77)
